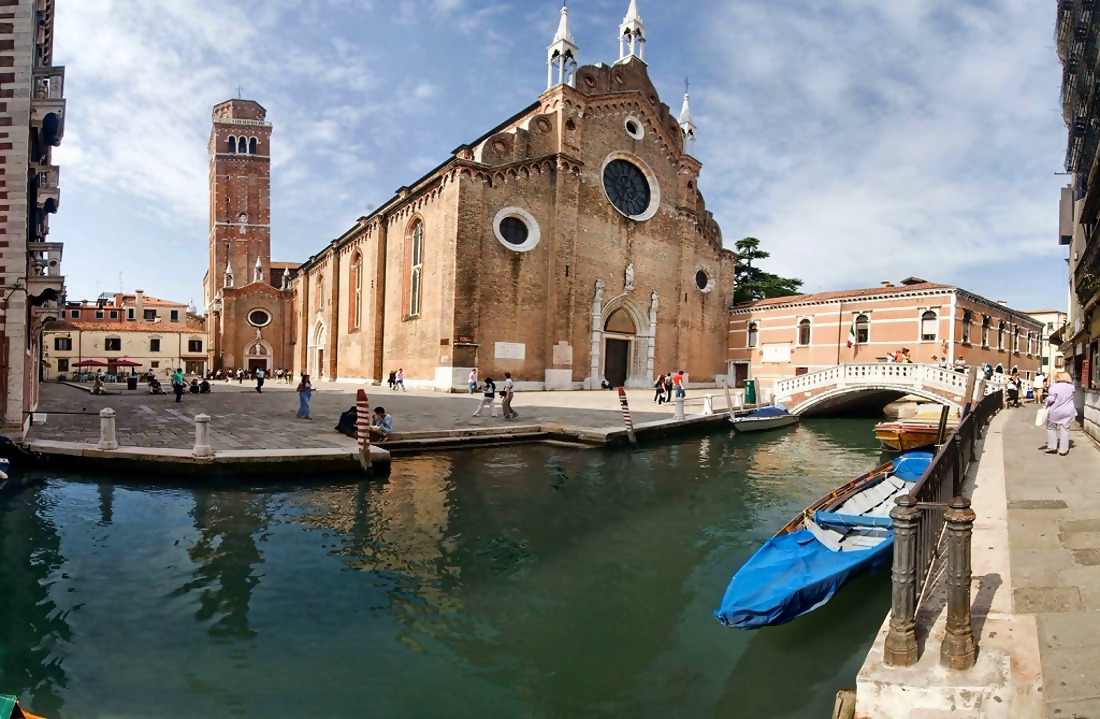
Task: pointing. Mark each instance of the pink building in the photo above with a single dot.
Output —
(786, 336)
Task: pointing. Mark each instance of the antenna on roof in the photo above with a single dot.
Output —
(120, 283)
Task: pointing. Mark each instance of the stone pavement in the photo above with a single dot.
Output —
(244, 419)
(1054, 543)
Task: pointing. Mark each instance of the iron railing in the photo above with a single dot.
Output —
(919, 522)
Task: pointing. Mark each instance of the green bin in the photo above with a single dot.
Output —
(750, 391)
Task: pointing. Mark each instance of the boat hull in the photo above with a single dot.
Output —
(758, 424)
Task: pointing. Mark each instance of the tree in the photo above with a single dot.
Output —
(754, 283)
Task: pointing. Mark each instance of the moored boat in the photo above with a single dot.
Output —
(904, 435)
(845, 533)
(11, 709)
(764, 418)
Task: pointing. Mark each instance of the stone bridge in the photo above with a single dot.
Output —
(871, 386)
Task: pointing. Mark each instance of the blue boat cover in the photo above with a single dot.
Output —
(772, 411)
(793, 573)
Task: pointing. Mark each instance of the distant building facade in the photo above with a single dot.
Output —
(145, 333)
(1051, 358)
(32, 123)
(778, 338)
(568, 245)
(249, 306)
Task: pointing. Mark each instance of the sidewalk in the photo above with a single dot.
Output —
(1054, 548)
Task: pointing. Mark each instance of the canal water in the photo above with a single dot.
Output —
(516, 582)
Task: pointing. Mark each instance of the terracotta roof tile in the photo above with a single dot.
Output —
(842, 294)
(118, 327)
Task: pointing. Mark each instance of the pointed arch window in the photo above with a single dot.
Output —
(985, 330)
(320, 292)
(928, 326)
(863, 329)
(416, 266)
(754, 334)
(252, 146)
(357, 291)
(1001, 335)
(232, 144)
(804, 332)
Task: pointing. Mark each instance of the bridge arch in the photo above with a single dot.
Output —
(870, 386)
(865, 397)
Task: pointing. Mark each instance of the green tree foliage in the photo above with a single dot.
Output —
(754, 283)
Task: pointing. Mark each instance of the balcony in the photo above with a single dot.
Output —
(48, 104)
(49, 192)
(1086, 274)
(45, 282)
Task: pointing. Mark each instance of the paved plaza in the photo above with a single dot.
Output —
(241, 418)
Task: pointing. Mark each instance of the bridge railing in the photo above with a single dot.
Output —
(919, 521)
(875, 373)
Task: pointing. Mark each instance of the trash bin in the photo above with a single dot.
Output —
(750, 391)
(131, 382)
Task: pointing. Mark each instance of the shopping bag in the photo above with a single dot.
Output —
(1041, 417)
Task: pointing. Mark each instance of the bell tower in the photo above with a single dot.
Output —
(240, 196)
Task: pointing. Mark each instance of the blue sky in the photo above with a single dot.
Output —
(860, 141)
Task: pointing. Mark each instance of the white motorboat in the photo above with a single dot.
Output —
(764, 418)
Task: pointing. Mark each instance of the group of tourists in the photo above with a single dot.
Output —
(669, 386)
(488, 392)
(240, 374)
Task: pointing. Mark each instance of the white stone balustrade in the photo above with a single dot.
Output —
(879, 375)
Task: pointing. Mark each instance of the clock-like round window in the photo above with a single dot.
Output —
(516, 229)
(627, 187)
(259, 318)
(513, 230)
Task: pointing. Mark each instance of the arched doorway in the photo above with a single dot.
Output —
(618, 347)
(258, 356)
(317, 351)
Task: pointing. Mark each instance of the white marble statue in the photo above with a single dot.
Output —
(598, 299)
(629, 283)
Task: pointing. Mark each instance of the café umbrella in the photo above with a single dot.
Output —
(89, 363)
(124, 362)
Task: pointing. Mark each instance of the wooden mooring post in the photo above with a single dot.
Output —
(626, 418)
(362, 423)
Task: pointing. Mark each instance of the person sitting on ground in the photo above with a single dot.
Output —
(97, 386)
(155, 386)
(604, 384)
(381, 424)
(194, 387)
(348, 424)
(204, 387)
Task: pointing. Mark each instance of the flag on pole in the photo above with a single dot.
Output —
(852, 334)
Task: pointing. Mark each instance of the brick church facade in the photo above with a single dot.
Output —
(568, 245)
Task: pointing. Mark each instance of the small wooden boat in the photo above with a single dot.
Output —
(845, 533)
(904, 435)
(764, 418)
(10, 708)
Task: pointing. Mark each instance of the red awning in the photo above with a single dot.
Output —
(124, 362)
(89, 363)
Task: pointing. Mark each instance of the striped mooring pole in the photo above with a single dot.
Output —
(362, 422)
(626, 418)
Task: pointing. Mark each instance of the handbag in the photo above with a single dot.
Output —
(1041, 417)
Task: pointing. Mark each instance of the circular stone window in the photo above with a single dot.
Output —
(259, 318)
(634, 127)
(516, 229)
(630, 186)
(703, 278)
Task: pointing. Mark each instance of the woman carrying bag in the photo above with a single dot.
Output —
(1061, 411)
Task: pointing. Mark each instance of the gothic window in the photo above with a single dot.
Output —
(252, 146)
(626, 186)
(416, 266)
(320, 293)
(754, 334)
(985, 330)
(1016, 339)
(804, 332)
(232, 142)
(357, 290)
(967, 319)
(863, 329)
(928, 326)
(1001, 335)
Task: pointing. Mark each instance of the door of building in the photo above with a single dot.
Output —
(740, 374)
(618, 354)
(255, 363)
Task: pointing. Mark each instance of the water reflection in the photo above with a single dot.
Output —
(33, 628)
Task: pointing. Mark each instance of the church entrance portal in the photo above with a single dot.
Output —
(255, 363)
(618, 357)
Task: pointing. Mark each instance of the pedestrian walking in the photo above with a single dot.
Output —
(668, 386)
(240, 376)
(305, 391)
(1037, 385)
(508, 393)
(391, 380)
(471, 381)
(178, 385)
(400, 379)
(259, 380)
(659, 385)
(678, 384)
(1060, 412)
(488, 396)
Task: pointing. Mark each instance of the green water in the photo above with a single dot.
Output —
(515, 582)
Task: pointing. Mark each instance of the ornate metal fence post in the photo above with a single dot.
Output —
(900, 649)
(958, 470)
(958, 650)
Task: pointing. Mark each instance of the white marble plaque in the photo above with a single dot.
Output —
(777, 352)
(509, 350)
(563, 353)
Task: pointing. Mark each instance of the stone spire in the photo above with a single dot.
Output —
(687, 125)
(561, 54)
(632, 35)
(228, 274)
(286, 278)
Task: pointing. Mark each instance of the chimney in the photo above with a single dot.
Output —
(1002, 302)
(886, 283)
(139, 304)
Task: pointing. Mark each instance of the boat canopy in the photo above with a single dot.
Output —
(772, 411)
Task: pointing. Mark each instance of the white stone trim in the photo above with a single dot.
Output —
(651, 178)
(640, 134)
(533, 231)
(248, 316)
(706, 269)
